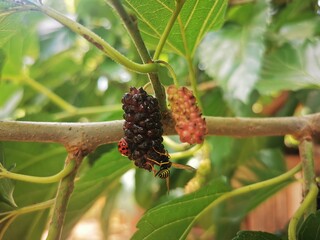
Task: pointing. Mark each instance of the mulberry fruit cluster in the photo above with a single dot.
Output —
(190, 125)
(143, 129)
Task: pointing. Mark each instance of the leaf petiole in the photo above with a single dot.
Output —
(97, 41)
(41, 180)
(168, 28)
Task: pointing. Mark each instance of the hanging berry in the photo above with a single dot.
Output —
(190, 125)
(143, 132)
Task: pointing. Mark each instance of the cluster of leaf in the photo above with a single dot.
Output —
(263, 49)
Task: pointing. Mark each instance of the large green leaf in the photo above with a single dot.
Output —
(268, 163)
(173, 220)
(195, 20)
(37, 160)
(233, 55)
(291, 68)
(109, 168)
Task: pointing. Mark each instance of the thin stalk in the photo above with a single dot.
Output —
(174, 145)
(186, 153)
(62, 199)
(41, 180)
(6, 226)
(306, 155)
(193, 81)
(171, 71)
(97, 41)
(51, 95)
(89, 110)
(168, 28)
(130, 23)
(309, 200)
(27, 209)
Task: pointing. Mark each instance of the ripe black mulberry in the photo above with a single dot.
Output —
(143, 129)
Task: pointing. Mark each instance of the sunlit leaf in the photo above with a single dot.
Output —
(291, 68)
(233, 55)
(36, 160)
(173, 220)
(195, 20)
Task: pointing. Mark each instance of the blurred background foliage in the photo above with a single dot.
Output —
(263, 62)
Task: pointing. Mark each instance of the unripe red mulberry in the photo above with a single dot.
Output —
(143, 130)
(190, 124)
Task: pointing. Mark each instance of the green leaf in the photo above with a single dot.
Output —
(291, 68)
(262, 165)
(251, 235)
(105, 171)
(8, 25)
(233, 55)
(195, 20)
(174, 219)
(36, 160)
(310, 228)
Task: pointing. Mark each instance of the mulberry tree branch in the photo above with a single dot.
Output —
(88, 136)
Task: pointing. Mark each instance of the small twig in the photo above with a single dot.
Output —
(306, 155)
(96, 40)
(130, 23)
(62, 198)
